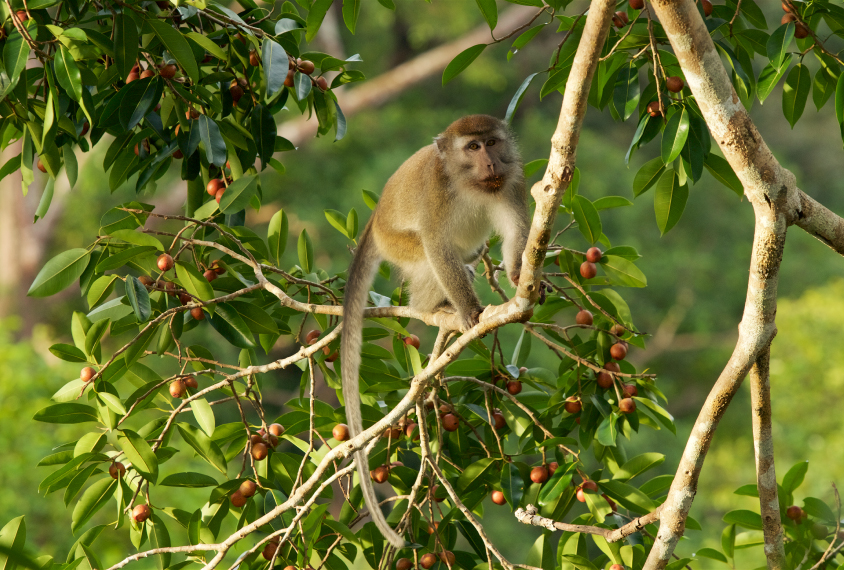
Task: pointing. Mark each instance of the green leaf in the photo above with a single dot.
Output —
(194, 526)
(15, 54)
(67, 413)
(352, 224)
(823, 88)
(647, 176)
(794, 477)
(139, 99)
(276, 64)
(177, 45)
(306, 252)
(67, 72)
(489, 11)
(230, 325)
(12, 537)
(277, 236)
(68, 353)
(461, 62)
(338, 220)
(160, 538)
(819, 510)
(795, 92)
(626, 94)
(93, 499)
(587, 217)
(237, 195)
(316, 15)
(769, 77)
(728, 540)
(669, 200)
(204, 415)
(674, 136)
(711, 553)
(607, 431)
(534, 165)
(638, 465)
(554, 487)
(137, 238)
(125, 44)
(212, 48)
(212, 140)
(721, 170)
(194, 282)
(258, 321)
(579, 562)
(139, 452)
(628, 496)
(472, 475)
(112, 402)
(744, 518)
(58, 273)
(264, 132)
(778, 43)
(351, 10)
(138, 298)
(206, 448)
(608, 202)
(517, 100)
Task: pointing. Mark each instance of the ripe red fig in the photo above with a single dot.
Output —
(86, 374)
(165, 262)
(588, 270)
(674, 84)
(539, 474)
(618, 350)
(573, 404)
(514, 387)
(340, 432)
(260, 451)
(627, 405)
(177, 388)
(594, 254)
(237, 499)
(116, 470)
(141, 513)
(413, 341)
(312, 337)
(248, 488)
(498, 498)
(380, 474)
(427, 560)
(584, 317)
(450, 422)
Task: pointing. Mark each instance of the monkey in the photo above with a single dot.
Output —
(433, 218)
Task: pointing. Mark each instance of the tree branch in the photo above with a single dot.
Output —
(528, 516)
(768, 187)
(766, 476)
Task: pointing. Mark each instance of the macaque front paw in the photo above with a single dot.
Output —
(471, 319)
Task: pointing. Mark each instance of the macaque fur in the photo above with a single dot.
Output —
(434, 217)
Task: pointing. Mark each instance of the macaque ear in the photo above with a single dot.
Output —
(441, 142)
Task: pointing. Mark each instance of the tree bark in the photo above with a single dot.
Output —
(766, 475)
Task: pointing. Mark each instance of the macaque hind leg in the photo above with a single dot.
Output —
(426, 295)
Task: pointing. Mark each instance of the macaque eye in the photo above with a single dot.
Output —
(474, 146)
(490, 142)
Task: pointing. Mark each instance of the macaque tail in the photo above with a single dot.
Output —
(360, 278)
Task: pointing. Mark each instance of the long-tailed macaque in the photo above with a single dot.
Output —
(433, 218)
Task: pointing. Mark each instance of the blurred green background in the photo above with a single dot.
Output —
(697, 274)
